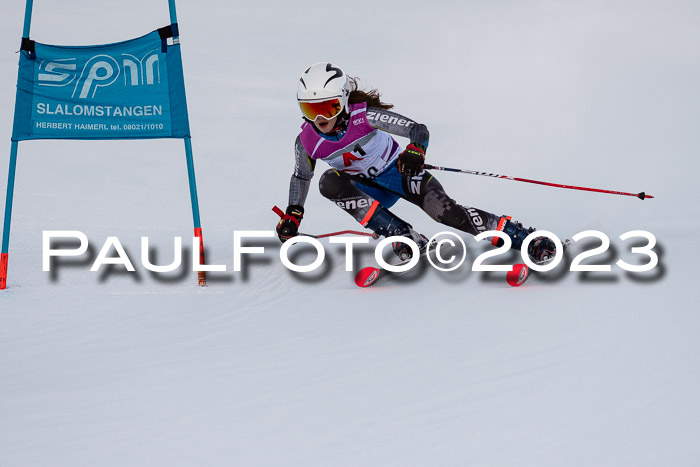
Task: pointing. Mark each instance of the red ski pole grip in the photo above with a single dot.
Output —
(278, 211)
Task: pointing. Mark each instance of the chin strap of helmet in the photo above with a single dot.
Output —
(341, 126)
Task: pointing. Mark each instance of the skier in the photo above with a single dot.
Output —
(351, 130)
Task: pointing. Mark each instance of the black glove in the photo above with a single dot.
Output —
(411, 160)
(288, 226)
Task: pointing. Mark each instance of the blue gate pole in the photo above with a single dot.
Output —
(27, 18)
(4, 253)
(193, 182)
(173, 13)
(201, 275)
(8, 215)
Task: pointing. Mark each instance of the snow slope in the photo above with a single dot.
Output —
(266, 367)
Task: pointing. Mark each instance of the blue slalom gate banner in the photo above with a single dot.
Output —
(130, 89)
(127, 90)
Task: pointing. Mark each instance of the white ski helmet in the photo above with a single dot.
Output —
(321, 82)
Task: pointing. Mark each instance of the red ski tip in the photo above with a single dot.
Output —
(517, 275)
(366, 276)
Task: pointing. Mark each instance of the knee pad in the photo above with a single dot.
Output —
(442, 208)
(445, 210)
(331, 185)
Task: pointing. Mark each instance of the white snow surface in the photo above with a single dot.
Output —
(272, 368)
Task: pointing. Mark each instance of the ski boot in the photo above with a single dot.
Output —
(386, 224)
(403, 250)
(541, 249)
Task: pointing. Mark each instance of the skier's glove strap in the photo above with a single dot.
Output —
(288, 226)
(411, 160)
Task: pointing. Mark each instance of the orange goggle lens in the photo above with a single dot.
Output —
(327, 109)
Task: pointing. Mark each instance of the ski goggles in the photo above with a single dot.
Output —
(327, 109)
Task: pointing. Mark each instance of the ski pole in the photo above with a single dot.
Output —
(342, 232)
(641, 195)
(280, 213)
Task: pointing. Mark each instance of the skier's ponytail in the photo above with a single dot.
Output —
(372, 98)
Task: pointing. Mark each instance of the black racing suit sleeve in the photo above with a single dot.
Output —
(303, 173)
(398, 125)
